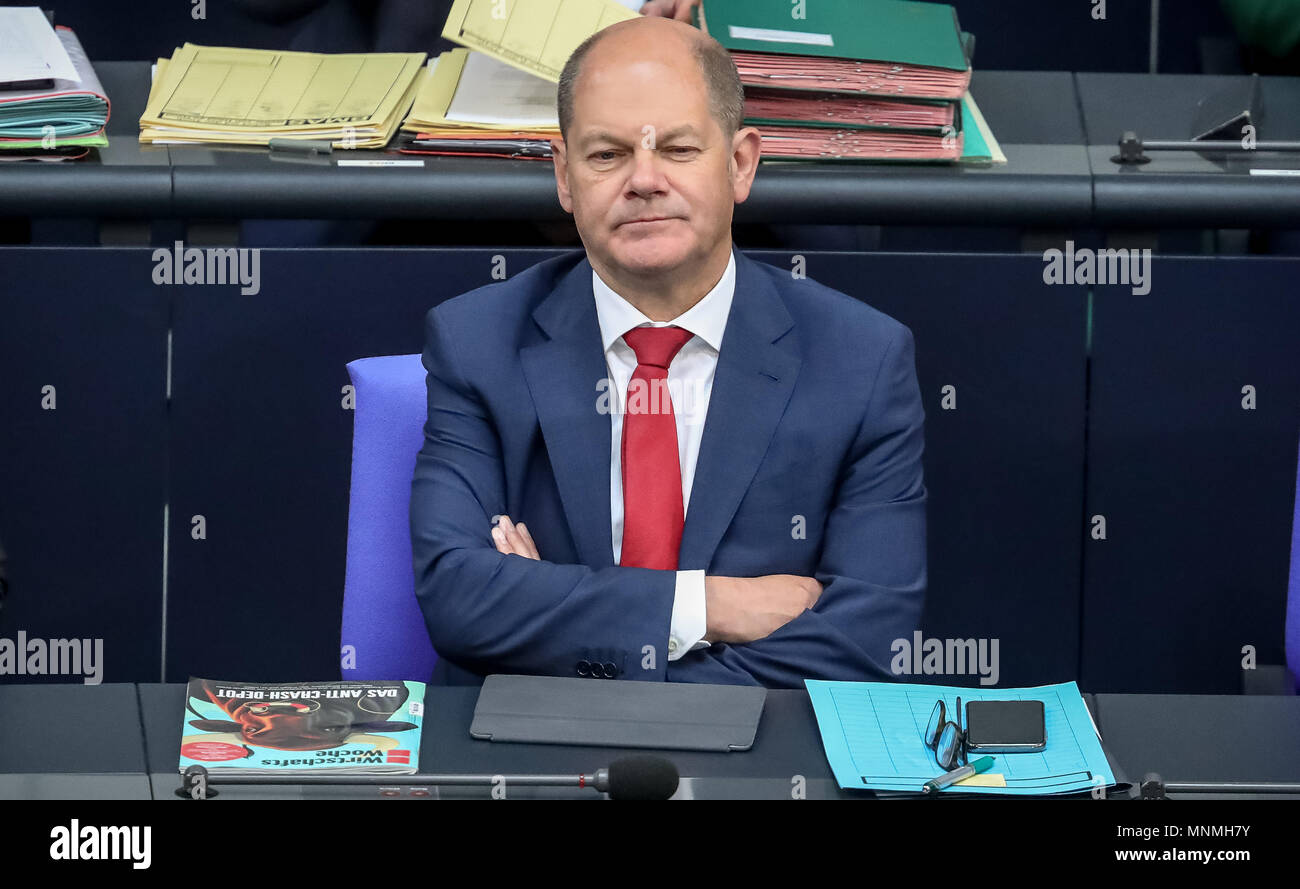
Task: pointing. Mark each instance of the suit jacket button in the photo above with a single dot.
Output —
(584, 668)
(611, 670)
(597, 670)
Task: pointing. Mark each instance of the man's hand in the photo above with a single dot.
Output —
(742, 609)
(512, 538)
(672, 9)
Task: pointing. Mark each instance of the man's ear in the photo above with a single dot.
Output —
(561, 159)
(746, 146)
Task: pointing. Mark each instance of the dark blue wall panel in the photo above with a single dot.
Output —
(261, 447)
(82, 485)
(1032, 35)
(1004, 470)
(1196, 491)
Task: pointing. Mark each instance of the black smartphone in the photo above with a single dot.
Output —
(1005, 727)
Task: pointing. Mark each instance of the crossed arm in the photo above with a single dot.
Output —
(493, 604)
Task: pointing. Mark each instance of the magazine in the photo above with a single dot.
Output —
(303, 728)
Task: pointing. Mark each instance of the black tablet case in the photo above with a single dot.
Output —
(666, 715)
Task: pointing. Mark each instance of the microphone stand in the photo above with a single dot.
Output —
(1132, 149)
(197, 782)
(1154, 787)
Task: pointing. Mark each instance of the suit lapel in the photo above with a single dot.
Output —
(562, 373)
(751, 388)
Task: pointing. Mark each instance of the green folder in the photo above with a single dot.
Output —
(901, 32)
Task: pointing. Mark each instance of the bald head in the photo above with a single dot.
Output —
(664, 41)
(652, 159)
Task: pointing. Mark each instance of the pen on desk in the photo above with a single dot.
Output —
(936, 784)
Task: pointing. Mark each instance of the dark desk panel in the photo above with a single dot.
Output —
(1182, 188)
(1029, 107)
(70, 728)
(122, 82)
(787, 751)
(129, 730)
(71, 742)
(126, 181)
(1041, 184)
(1204, 738)
(247, 183)
(1184, 737)
(1164, 106)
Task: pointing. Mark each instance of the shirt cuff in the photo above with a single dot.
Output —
(689, 620)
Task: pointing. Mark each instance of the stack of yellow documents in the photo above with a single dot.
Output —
(497, 97)
(216, 94)
(536, 36)
(472, 104)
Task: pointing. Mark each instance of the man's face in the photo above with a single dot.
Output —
(646, 170)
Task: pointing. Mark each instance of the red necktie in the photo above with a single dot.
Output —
(652, 472)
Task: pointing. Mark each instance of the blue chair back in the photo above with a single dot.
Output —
(382, 621)
(1293, 596)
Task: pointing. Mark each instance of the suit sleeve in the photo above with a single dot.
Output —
(872, 564)
(494, 613)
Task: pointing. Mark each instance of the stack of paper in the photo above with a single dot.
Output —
(207, 94)
(537, 36)
(872, 78)
(497, 98)
(472, 104)
(874, 737)
(765, 105)
(973, 143)
(852, 79)
(61, 112)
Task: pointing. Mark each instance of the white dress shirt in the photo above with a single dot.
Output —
(690, 382)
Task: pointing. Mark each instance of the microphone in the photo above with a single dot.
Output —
(641, 777)
(638, 777)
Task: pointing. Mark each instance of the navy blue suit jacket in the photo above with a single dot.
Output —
(810, 464)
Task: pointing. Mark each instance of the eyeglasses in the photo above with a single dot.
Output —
(946, 738)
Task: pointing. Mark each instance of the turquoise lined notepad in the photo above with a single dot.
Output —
(873, 733)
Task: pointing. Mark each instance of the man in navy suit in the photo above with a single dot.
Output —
(662, 460)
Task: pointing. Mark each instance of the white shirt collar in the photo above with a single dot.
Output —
(707, 319)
